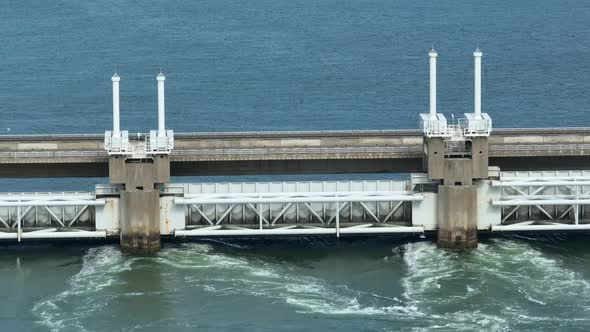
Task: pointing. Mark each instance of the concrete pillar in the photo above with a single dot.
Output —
(139, 200)
(457, 216)
(140, 221)
(457, 194)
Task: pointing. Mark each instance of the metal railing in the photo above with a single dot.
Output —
(202, 135)
(573, 148)
(53, 154)
(295, 151)
(562, 148)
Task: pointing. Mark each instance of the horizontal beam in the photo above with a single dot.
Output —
(318, 199)
(340, 164)
(530, 202)
(539, 183)
(13, 197)
(52, 203)
(299, 194)
(545, 197)
(242, 232)
(299, 231)
(64, 235)
(52, 234)
(521, 228)
(382, 230)
(8, 236)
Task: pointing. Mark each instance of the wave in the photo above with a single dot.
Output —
(99, 269)
(503, 285)
(99, 282)
(234, 275)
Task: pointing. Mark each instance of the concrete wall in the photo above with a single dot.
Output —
(435, 158)
(480, 157)
(458, 171)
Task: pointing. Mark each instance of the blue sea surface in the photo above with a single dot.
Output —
(291, 65)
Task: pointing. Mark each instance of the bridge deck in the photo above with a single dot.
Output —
(291, 152)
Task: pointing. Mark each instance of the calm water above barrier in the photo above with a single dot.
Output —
(291, 65)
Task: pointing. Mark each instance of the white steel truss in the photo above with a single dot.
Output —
(48, 216)
(543, 203)
(328, 221)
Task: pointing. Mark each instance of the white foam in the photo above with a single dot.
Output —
(442, 290)
(239, 275)
(431, 284)
(99, 265)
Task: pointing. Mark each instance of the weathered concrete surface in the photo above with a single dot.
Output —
(458, 172)
(435, 158)
(140, 221)
(457, 217)
(457, 168)
(480, 153)
(140, 200)
(291, 152)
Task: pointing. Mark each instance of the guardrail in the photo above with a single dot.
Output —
(139, 136)
(202, 135)
(401, 149)
(560, 148)
(52, 154)
(306, 150)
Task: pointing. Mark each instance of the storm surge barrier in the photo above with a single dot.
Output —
(509, 201)
(466, 178)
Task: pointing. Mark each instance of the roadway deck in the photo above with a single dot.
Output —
(361, 151)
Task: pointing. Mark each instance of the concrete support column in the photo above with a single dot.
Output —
(140, 200)
(457, 175)
(140, 221)
(457, 216)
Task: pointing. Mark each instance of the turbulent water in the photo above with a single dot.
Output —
(372, 285)
(291, 65)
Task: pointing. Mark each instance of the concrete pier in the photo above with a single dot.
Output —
(140, 200)
(457, 217)
(457, 165)
(457, 170)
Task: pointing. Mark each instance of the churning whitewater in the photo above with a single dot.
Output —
(503, 285)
